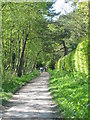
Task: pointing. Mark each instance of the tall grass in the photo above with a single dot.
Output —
(9, 87)
(70, 92)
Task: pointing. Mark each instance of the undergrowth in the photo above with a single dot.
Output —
(9, 87)
(70, 92)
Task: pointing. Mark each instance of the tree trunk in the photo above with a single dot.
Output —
(22, 55)
(33, 66)
(19, 41)
(65, 48)
(25, 66)
(10, 48)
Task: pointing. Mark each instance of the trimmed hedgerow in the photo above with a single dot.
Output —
(75, 61)
(69, 83)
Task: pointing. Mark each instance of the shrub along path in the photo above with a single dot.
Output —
(32, 101)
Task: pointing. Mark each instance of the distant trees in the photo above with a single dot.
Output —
(29, 38)
(68, 29)
(22, 44)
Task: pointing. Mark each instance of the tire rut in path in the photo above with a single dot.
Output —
(32, 101)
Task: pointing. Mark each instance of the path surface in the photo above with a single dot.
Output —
(32, 101)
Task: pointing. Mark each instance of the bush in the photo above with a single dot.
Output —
(70, 92)
(76, 60)
(69, 83)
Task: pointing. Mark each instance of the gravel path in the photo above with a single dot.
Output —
(32, 102)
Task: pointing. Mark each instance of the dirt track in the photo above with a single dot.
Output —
(32, 101)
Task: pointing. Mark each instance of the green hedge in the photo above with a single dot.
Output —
(76, 60)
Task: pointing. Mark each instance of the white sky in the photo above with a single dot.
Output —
(64, 8)
(61, 6)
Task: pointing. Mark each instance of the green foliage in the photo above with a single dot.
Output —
(70, 28)
(76, 60)
(51, 64)
(70, 92)
(12, 85)
(28, 37)
(69, 83)
(81, 55)
(23, 27)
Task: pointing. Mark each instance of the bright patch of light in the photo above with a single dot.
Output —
(82, 0)
(61, 6)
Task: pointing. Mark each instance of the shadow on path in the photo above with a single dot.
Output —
(32, 101)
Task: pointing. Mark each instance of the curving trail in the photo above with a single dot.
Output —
(32, 101)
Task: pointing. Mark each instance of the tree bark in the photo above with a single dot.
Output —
(22, 55)
(65, 48)
(25, 65)
(19, 41)
(10, 48)
(33, 66)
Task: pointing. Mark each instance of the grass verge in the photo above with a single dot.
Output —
(11, 86)
(70, 92)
